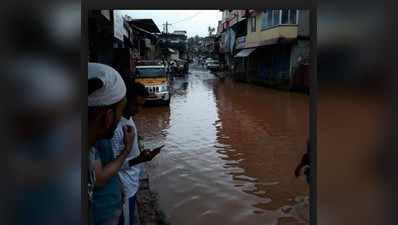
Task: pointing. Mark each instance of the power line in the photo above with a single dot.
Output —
(188, 18)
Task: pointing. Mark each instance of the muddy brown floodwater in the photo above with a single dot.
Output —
(230, 153)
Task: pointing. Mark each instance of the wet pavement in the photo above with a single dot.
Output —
(230, 152)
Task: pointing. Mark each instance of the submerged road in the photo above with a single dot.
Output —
(230, 152)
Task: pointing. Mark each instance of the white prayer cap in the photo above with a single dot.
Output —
(113, 89)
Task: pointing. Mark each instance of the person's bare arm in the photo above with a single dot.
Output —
(103, 174)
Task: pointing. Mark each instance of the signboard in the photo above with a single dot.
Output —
(241, 42)
(241, 15)
(118, 26)
(221, 27)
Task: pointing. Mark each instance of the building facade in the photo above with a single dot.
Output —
(265, 46)
(119, 41)
(174, 45)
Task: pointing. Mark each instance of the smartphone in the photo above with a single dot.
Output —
(158, 148)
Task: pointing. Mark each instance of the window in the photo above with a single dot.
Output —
(263, 19)
(275, 17)
(269, 18)
(293, 16)
(266, 19)
(150, 72)
(285, 16)
(253, 24)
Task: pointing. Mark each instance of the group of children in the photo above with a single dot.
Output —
(115, 159)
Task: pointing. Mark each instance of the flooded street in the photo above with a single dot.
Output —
(230, 152)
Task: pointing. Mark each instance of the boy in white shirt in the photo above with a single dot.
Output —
(130, 172)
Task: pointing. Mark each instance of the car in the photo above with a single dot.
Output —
(213, 65)
(156, 82)
(208, 60)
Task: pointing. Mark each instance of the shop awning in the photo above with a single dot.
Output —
(245, 52)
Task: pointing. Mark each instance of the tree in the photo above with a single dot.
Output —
(211, 30)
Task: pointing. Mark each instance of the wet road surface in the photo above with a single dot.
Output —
(230, 152)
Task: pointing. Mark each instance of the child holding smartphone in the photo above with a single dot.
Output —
(130, 172)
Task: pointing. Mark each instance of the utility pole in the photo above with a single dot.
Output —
(166, 27)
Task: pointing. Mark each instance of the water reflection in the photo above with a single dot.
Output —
(153, 124)
(267, 129)
(230, 152)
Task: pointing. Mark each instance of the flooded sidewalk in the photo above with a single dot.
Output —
(230, 153)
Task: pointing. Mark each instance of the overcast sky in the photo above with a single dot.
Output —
(195, 22)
